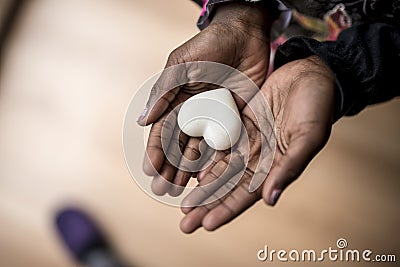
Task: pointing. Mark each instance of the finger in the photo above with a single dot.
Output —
(232, 206)
(161, 183)
(162, 94)
(219, 155)
(155, 110)
(154, 155)
(193, 219)
(208, 163)
(222, 172)
(187, 165)
(160, 136)
(173, 155)
(207, 196)
(288, 166)
(221, 209)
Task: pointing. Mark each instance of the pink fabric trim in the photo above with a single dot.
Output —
(204, 10)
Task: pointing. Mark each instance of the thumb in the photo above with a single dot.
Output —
(162, 93)
(289, 164)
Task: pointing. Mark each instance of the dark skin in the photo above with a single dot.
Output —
(300, 95)
(238, 37)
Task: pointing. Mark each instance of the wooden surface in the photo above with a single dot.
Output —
(67, 74)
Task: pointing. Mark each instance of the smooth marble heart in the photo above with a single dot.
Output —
(212, 115)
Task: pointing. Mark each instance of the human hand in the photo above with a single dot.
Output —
(300, 95)
(238, 36)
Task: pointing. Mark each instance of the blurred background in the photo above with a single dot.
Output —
(68, 72)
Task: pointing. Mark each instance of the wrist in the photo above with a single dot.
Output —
(245, 15)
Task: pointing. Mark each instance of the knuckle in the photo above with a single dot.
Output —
(175, 57)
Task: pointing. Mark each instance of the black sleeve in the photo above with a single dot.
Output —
(199, 2)
(365, 60)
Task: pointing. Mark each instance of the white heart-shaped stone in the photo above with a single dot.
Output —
(212, 115)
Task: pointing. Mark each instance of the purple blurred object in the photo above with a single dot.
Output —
(79, 232)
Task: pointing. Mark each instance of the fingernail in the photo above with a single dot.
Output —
(143, 114)
(275, 196)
